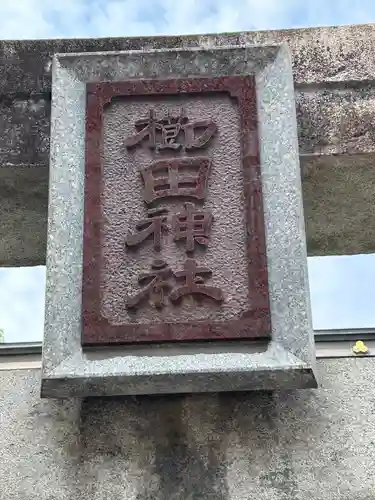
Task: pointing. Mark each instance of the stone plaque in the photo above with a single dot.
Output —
(176, 257)
(174, 235)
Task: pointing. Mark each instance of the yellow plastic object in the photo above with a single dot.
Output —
(360, 347)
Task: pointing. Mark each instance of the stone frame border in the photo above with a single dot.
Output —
(288, 360)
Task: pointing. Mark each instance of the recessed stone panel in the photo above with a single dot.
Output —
(174, 245)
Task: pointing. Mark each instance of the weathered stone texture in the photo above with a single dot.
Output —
(344, 205)
(295, 445)
(23, 207)
(329, 54)
(334, 71)
(336, 121)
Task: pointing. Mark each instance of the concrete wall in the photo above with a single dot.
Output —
(300, 445)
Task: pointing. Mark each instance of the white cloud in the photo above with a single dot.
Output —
(342, 288)
(97, 18)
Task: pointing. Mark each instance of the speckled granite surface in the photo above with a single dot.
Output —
(288, 362)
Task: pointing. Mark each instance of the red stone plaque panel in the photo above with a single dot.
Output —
(174, 237)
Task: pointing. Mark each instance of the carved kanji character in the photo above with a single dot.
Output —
(150, 126)
(169, 127)
(194, 283)
(153, 225)
(156, 281)
(192, 225)
(192, 142)
(185, 176)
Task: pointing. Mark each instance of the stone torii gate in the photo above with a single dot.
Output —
(333, 74)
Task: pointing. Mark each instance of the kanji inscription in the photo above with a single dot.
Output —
(173, 177)
(158, 284)
(174, 237)
(191, 224)
(153, 226)
(157, 281)
(164, 133)
(194, 283)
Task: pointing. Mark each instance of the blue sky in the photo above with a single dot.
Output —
(341, 287)
(96, 18)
